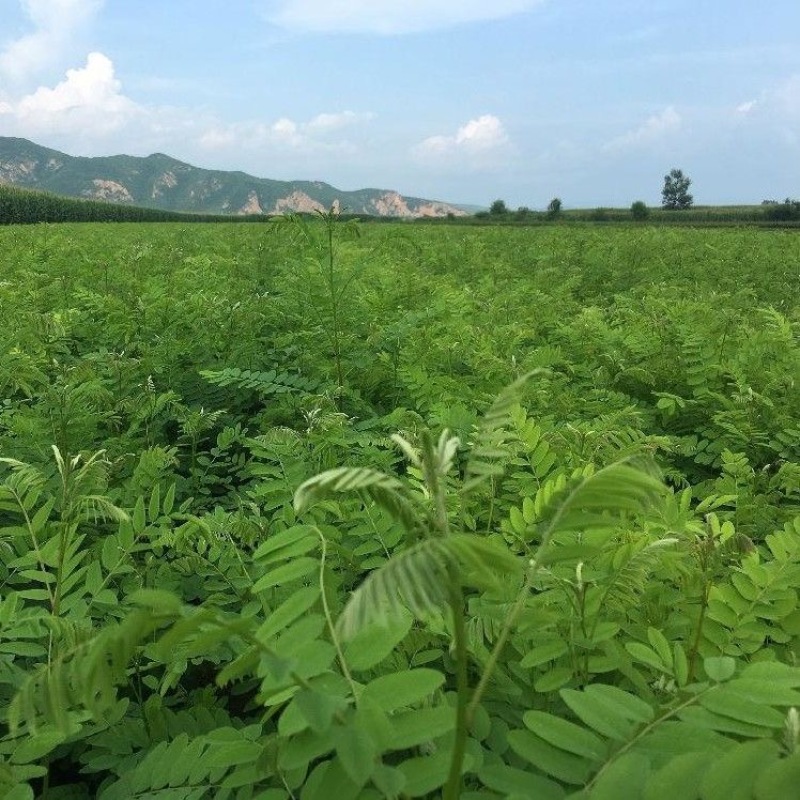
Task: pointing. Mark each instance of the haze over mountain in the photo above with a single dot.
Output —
(160, 181)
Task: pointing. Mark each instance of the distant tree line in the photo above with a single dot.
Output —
(675, 197)
(499, 210)
(787, 211)
(26, 206)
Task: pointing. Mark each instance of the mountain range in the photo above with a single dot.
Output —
(160, 181)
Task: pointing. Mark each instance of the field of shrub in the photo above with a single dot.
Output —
(312, 510)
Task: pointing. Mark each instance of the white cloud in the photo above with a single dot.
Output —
(654, 130)
(89, 99)
(780, 102)
(336, 121)
(88, 112)
(474, 143)
(283, 130)
(389, 17)
(775, 112)
(55, 23)
(322, 132)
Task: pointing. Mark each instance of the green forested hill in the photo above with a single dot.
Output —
(160, 181)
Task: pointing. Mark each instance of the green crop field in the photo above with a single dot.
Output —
(307, 510)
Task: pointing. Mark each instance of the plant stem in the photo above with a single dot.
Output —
(642, 732)
(452, 788)
(698, 633)
(329, 619)
(334, 298)
(494, 656)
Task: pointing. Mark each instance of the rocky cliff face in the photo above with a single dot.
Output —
(392, 204)
(298, 202)
(159, 181)
(18, 172)
(110, 191)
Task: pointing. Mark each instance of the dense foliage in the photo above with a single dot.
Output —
(675, 194)
(787, 211)
(271, 526)
(768, 214)
(25, 206)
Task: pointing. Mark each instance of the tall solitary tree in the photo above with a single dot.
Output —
(498, 208)
(675, 194)
(554, 207)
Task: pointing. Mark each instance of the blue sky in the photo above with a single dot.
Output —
(592, 101)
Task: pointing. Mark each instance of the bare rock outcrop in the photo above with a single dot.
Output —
(166, 180)
(252, 206)
(108, 190)
(298, 202)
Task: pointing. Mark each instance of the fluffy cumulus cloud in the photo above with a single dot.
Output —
(88, 111)
(89, 99)
(654, 130)
(389, 17)
(55, 24)
(476, 143)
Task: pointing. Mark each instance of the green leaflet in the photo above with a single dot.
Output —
(374, 643)
(295, 541)
(306, 746)
(733, 775)
(386, 491)
(424, 774)
(286, 573)
(565, 735)
(489, 447)
(187, 768)
(330, 779)
(293, 607)
(413, 581)
(419, 726)
(565, 767)
(520, 783)
(679, 778)
(608, 710)
(357, 751)
(399, 689)
(778, 778)
(626, 777)
(318, 708)
(544, 653)
(266, 383)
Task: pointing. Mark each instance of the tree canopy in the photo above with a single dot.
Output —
(675, 194)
